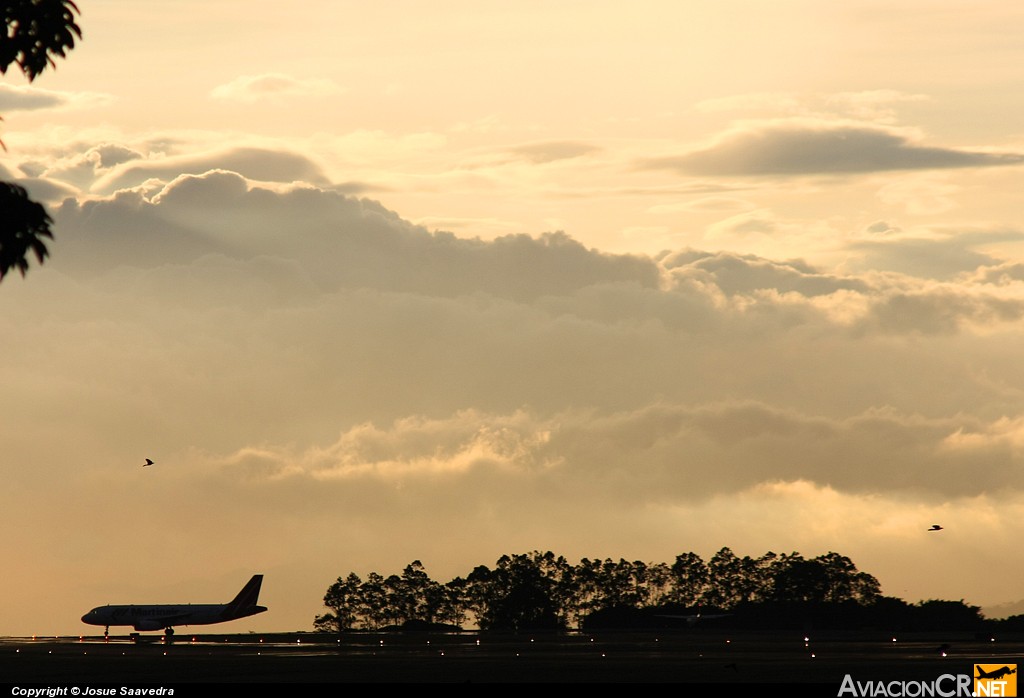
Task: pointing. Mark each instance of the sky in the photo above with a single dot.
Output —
(382, 282)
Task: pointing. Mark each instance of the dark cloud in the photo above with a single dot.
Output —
(656, 454)
(111, 154)
(880, 227)
(303, 311)
(127, 230)
(942, 311)
(671, 451)
(26, 98)
(806, 148)
(1000, 274)
(943, 255)
(341, 241)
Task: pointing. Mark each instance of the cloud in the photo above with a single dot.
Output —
(339, 383)
(470, 226)
(111, 154)
(411, 448)
(943, 310)
(47, 191)
(745, 274)
(14, 98)
(793, 147)
(1000, 274)
(273, 86)
(756, 222)
(663, 453)
(933, 254)
(553, 151)
(254, 163)
(342, 242)
(81, 169)
(871, 104)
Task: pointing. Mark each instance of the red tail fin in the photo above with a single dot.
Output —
(249, 594)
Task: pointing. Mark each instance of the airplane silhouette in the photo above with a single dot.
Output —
(148, 462)
(996, 673)
(165, 616)
(935, 527)
(693, 619)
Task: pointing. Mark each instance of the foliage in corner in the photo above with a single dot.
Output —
(37, 31)
(22, 226)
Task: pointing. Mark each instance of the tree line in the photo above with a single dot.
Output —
(539, 590)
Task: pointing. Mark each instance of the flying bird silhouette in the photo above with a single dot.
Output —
(935, 527)
(148, 462)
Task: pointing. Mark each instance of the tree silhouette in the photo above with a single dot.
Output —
(689, 579)
(455, 602)
(726, 579)
(520, 596)
(543, 591)
(35, 32)
(418, 600)
(343, 599)
(373, 601)
(659, 582)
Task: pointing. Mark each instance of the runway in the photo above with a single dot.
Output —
(688, 656)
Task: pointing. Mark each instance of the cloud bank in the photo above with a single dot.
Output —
(15, 98)
(363, 391)
(793, 147)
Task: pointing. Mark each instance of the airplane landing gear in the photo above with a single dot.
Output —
(169, 635)
(106, 634)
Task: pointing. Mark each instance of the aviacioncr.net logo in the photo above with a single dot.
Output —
(995, 680)
(945, 686)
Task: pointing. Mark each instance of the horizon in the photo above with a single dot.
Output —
(375, 284)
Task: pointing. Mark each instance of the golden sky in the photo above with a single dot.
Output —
(377, 282)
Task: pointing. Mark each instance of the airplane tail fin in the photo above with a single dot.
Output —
(249, 594)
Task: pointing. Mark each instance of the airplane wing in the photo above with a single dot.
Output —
(163, 621)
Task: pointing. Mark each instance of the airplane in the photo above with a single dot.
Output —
(995, 673)
(935, 527)
(696, 618)
(148, 462)
(165, 616)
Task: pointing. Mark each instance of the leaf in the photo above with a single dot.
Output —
(23, 225)
(36, 31)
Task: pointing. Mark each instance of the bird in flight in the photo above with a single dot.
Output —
(935, 527)
(148, 462)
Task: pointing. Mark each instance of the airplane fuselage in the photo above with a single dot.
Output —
(158, 617)
(164, 616)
